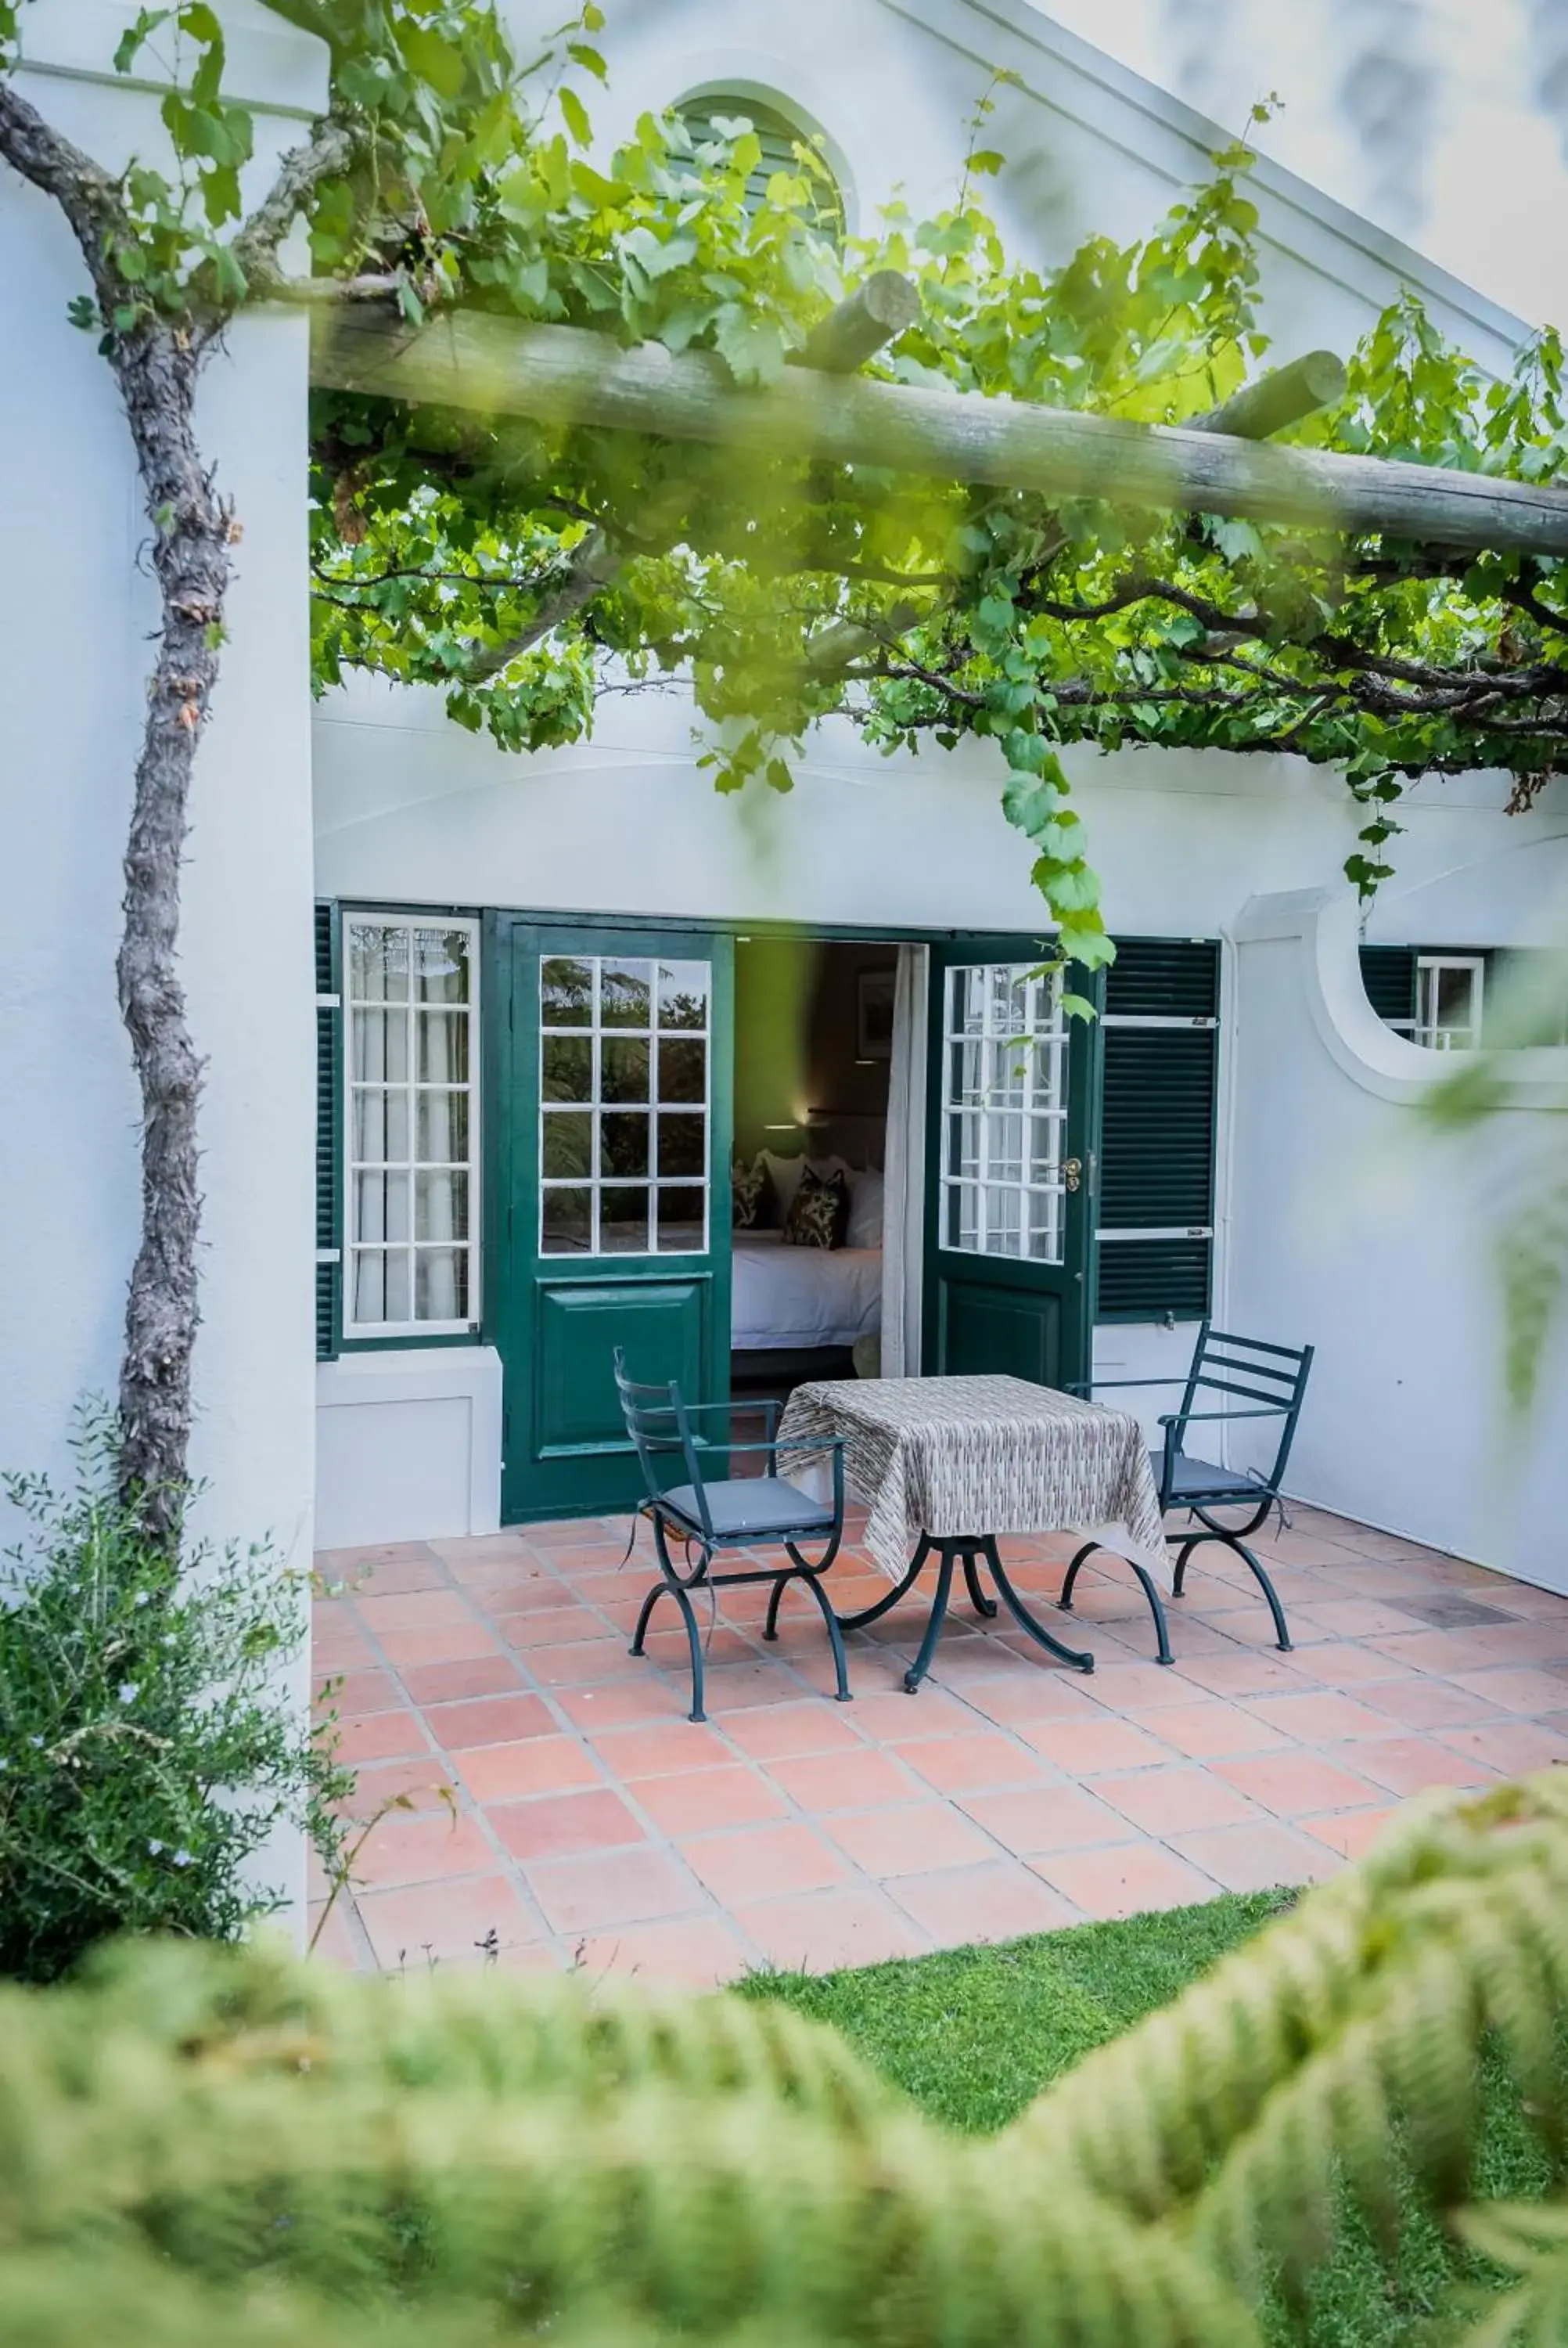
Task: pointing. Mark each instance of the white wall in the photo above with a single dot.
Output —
(75, 614)
(1357, 1227)
(408, 1445)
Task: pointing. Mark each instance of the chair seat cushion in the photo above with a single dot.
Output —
(1198, 1479)
(751, 1507)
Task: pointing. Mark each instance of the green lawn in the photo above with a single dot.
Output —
(973, 2034)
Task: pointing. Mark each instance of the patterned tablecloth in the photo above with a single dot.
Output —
(982, 1455)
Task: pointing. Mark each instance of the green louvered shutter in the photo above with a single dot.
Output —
(777, 139)
(1157, 1147)
(1388, 975)
(329, 1234)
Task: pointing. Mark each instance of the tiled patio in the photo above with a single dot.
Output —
(564, 1810)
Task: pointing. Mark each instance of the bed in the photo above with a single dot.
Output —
(790, 1298)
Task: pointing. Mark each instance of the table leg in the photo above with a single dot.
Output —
(977, 1598)
(922, 1662)
(1023, 1618)
(883, 1605)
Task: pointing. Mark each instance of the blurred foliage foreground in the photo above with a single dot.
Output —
(201, 2145)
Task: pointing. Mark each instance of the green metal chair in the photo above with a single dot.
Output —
(707, 1514)
(1272, 1381)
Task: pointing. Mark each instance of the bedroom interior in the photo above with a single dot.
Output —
(814, 1057)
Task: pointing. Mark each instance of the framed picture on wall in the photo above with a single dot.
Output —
(874, 1020)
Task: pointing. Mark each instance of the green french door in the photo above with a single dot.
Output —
(610, 1210)
(1013, 1163)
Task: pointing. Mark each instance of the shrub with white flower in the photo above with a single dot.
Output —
(147, 1748)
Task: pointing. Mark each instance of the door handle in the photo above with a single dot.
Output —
(1072, 1172)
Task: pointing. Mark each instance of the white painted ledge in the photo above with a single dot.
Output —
(1325, 922)
(272, 65)
(408, 1445)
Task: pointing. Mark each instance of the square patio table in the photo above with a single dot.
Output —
(946, 1465)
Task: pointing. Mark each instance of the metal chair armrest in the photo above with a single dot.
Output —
(1191, 1417)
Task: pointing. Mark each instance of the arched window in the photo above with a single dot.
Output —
(778, 137)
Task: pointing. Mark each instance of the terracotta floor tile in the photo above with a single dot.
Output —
(707, 1799)
(695, 1953)
(402, 1849)
(1126, 1879)
(1408, 1765)
(1014, 1698)
(1514, 1747)
(664, 1749)
(1523, 1691)
(612, 1888)
(899, 1717)
(337, 1945)
(381, 1736)
(1056, 1817)
(779, 1732)
(560, 1825)
(420, 1783)
(999, 1899)
(910, 1840)
(740, 1687)
(355, 1695)
(418, 1610)
(1341, 1664)
(546, 1626)
(489, 1720)
(451, 1683)
(439, 1642)
(1257, 1672)
(1352, 1833)
(1255, 1858)
(1291, 1784)
(1320, 1717)
(1422, 1703)
(1175, 1800)
(1359, 1618)
(411, 1927)
(538, 1765)
(585, 1662)
(962, 1765)
(820, 1931)
(846, 1781)
(649, 1696)
(763, 1860)
(1205, 1731)
(1083, 1748)
(1146, 1687)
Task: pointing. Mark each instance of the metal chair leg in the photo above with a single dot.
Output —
(1161, 1632)
(1025, 1620)
(834, 1637)
(977, 1598)
(1065, 1601)
(659, 1590)
(695, 1642)
(770, 1626)
(885, 1605)
(1281, 1630)
(922, 1662)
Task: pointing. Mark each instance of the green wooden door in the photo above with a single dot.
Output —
(1012, 1167)
(609, 1214)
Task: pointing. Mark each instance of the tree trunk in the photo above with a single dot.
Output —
(157, 368)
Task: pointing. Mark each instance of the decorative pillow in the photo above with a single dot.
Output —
(819, 1212)
(748, 1195)
(784, 1177)
(864, 1211)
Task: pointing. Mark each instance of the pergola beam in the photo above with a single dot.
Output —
(565, 376)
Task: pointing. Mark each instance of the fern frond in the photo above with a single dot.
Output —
(1530, 2241)
(1342, 2042)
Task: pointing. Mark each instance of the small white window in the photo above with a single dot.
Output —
(411, 1126)
(1449, 1002)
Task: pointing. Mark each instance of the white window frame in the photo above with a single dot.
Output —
(597, 1182)
(353, 1332)
(1050, 1037)
(1430, 968)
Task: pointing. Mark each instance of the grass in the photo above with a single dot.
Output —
(973, 2035)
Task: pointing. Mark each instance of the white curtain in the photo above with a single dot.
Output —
(904, 1212)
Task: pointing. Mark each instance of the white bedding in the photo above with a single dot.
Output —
(790, 1297)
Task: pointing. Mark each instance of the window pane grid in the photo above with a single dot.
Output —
(624, 1105)
(413, 1180)
(1004, 1112)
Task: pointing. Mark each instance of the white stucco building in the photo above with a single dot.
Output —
(469, 1284)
